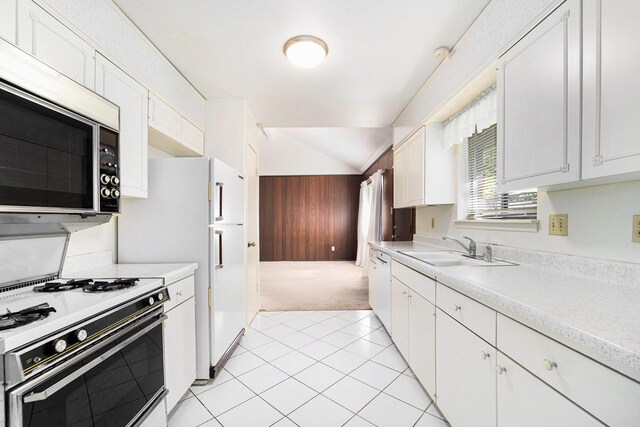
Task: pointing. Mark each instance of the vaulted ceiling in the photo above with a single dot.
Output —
(380, 54)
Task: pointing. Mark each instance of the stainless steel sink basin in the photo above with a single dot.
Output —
(453, 259)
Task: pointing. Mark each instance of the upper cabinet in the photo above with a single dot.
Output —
(8, 20)
(46, 38)
(121, 89)
(172, 133)
(611, 100)
(539, 104)
(423, 169)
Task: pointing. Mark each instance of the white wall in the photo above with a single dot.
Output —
(225, 121)
(600, 218)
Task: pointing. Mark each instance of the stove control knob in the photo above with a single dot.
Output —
(115, 180)
(105, 193)
(59, 346)
(115, 193)
(151, 300)
(104, 178)
(81, 335)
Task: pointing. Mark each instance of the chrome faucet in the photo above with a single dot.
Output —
(472, 245)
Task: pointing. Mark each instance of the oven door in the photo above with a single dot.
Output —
(117, 382)
(48, 156)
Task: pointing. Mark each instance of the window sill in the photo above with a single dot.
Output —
(521, 225)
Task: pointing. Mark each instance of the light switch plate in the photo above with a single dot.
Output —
(635, 238)
(559, 224)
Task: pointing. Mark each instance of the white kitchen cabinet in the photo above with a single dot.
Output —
(424, 171)
(611, 88)
(383, 288)
(121, 89)
(172, 133)
(373, 282)
(8, 20)
(413, 325)
(180, 343)
(191, 136)
(400, 316)
(465, 374)
(46, 38)
(525, 401)
(539, 104)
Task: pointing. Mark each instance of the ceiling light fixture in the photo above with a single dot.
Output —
(305, 51)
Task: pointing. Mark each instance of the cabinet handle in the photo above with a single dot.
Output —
(456, 307)
(179, 293)
(549, 365)
(484, 355)
(500, 370)
(404, 292)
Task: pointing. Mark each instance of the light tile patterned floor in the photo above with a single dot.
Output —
(311, 368)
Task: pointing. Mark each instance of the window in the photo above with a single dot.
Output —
(478, 158)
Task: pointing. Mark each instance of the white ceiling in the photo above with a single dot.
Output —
(380, 54)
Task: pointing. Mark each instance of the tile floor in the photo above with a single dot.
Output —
(308, 369)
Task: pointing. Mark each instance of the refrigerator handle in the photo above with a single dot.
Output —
(219, 264)
(219, 186)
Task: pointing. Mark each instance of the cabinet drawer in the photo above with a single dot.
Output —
(164, 118)
(419, 283)
(179, 292)
(601, 391)
(475, 316)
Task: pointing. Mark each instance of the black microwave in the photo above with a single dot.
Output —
(54, 160)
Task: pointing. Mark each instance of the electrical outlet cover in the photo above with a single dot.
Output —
(635, 237)
(559, 224)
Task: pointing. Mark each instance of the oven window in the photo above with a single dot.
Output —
(46, 157)
(111, 394)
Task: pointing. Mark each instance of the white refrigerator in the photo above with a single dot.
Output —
(195, 213)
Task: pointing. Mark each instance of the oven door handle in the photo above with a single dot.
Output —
(45, 394)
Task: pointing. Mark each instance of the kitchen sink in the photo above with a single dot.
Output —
(454, 259)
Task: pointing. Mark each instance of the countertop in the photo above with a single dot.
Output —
(169, 272)
(600, 319)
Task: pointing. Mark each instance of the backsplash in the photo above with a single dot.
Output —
(618, 272)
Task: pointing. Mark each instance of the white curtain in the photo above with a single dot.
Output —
(481, 113)
(363, 225)
(369, 219)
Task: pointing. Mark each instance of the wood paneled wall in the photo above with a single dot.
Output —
(397, 224)
(301, 217)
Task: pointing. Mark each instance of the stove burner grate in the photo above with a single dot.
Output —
(63, 286)
(23, 317)
(104, 286)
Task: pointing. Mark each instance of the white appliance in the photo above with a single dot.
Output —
(195, 213)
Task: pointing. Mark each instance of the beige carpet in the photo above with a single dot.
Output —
(312, 285)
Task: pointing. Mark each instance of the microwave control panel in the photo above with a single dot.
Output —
(109, 178)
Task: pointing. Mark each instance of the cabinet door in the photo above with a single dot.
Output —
(539, 102)
(525, 401)
(192, 137)
(465, 375)
(46, 38)
(119, 88)
(164, 119)
(373, 278)
(179, 351)
(414, 168)
(399, 188)
(400, 316)
(611, 88)
(8, 20)
(422, 341)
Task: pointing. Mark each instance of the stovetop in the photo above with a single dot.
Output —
(10, 320)
(71, 306)
(87, 285)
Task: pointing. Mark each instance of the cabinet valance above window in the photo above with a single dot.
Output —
(476, 116)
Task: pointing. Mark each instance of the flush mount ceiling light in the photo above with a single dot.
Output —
(305, 51)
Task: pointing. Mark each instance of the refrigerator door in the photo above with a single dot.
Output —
(227, 200)
(228, 287)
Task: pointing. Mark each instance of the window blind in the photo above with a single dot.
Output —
(478, 158)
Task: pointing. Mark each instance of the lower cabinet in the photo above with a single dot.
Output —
(179, 351)
(525, 401)
(466, 375)
(413, 325)
(373, 282)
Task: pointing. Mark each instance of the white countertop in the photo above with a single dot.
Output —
(169, 272)
(600, 319)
